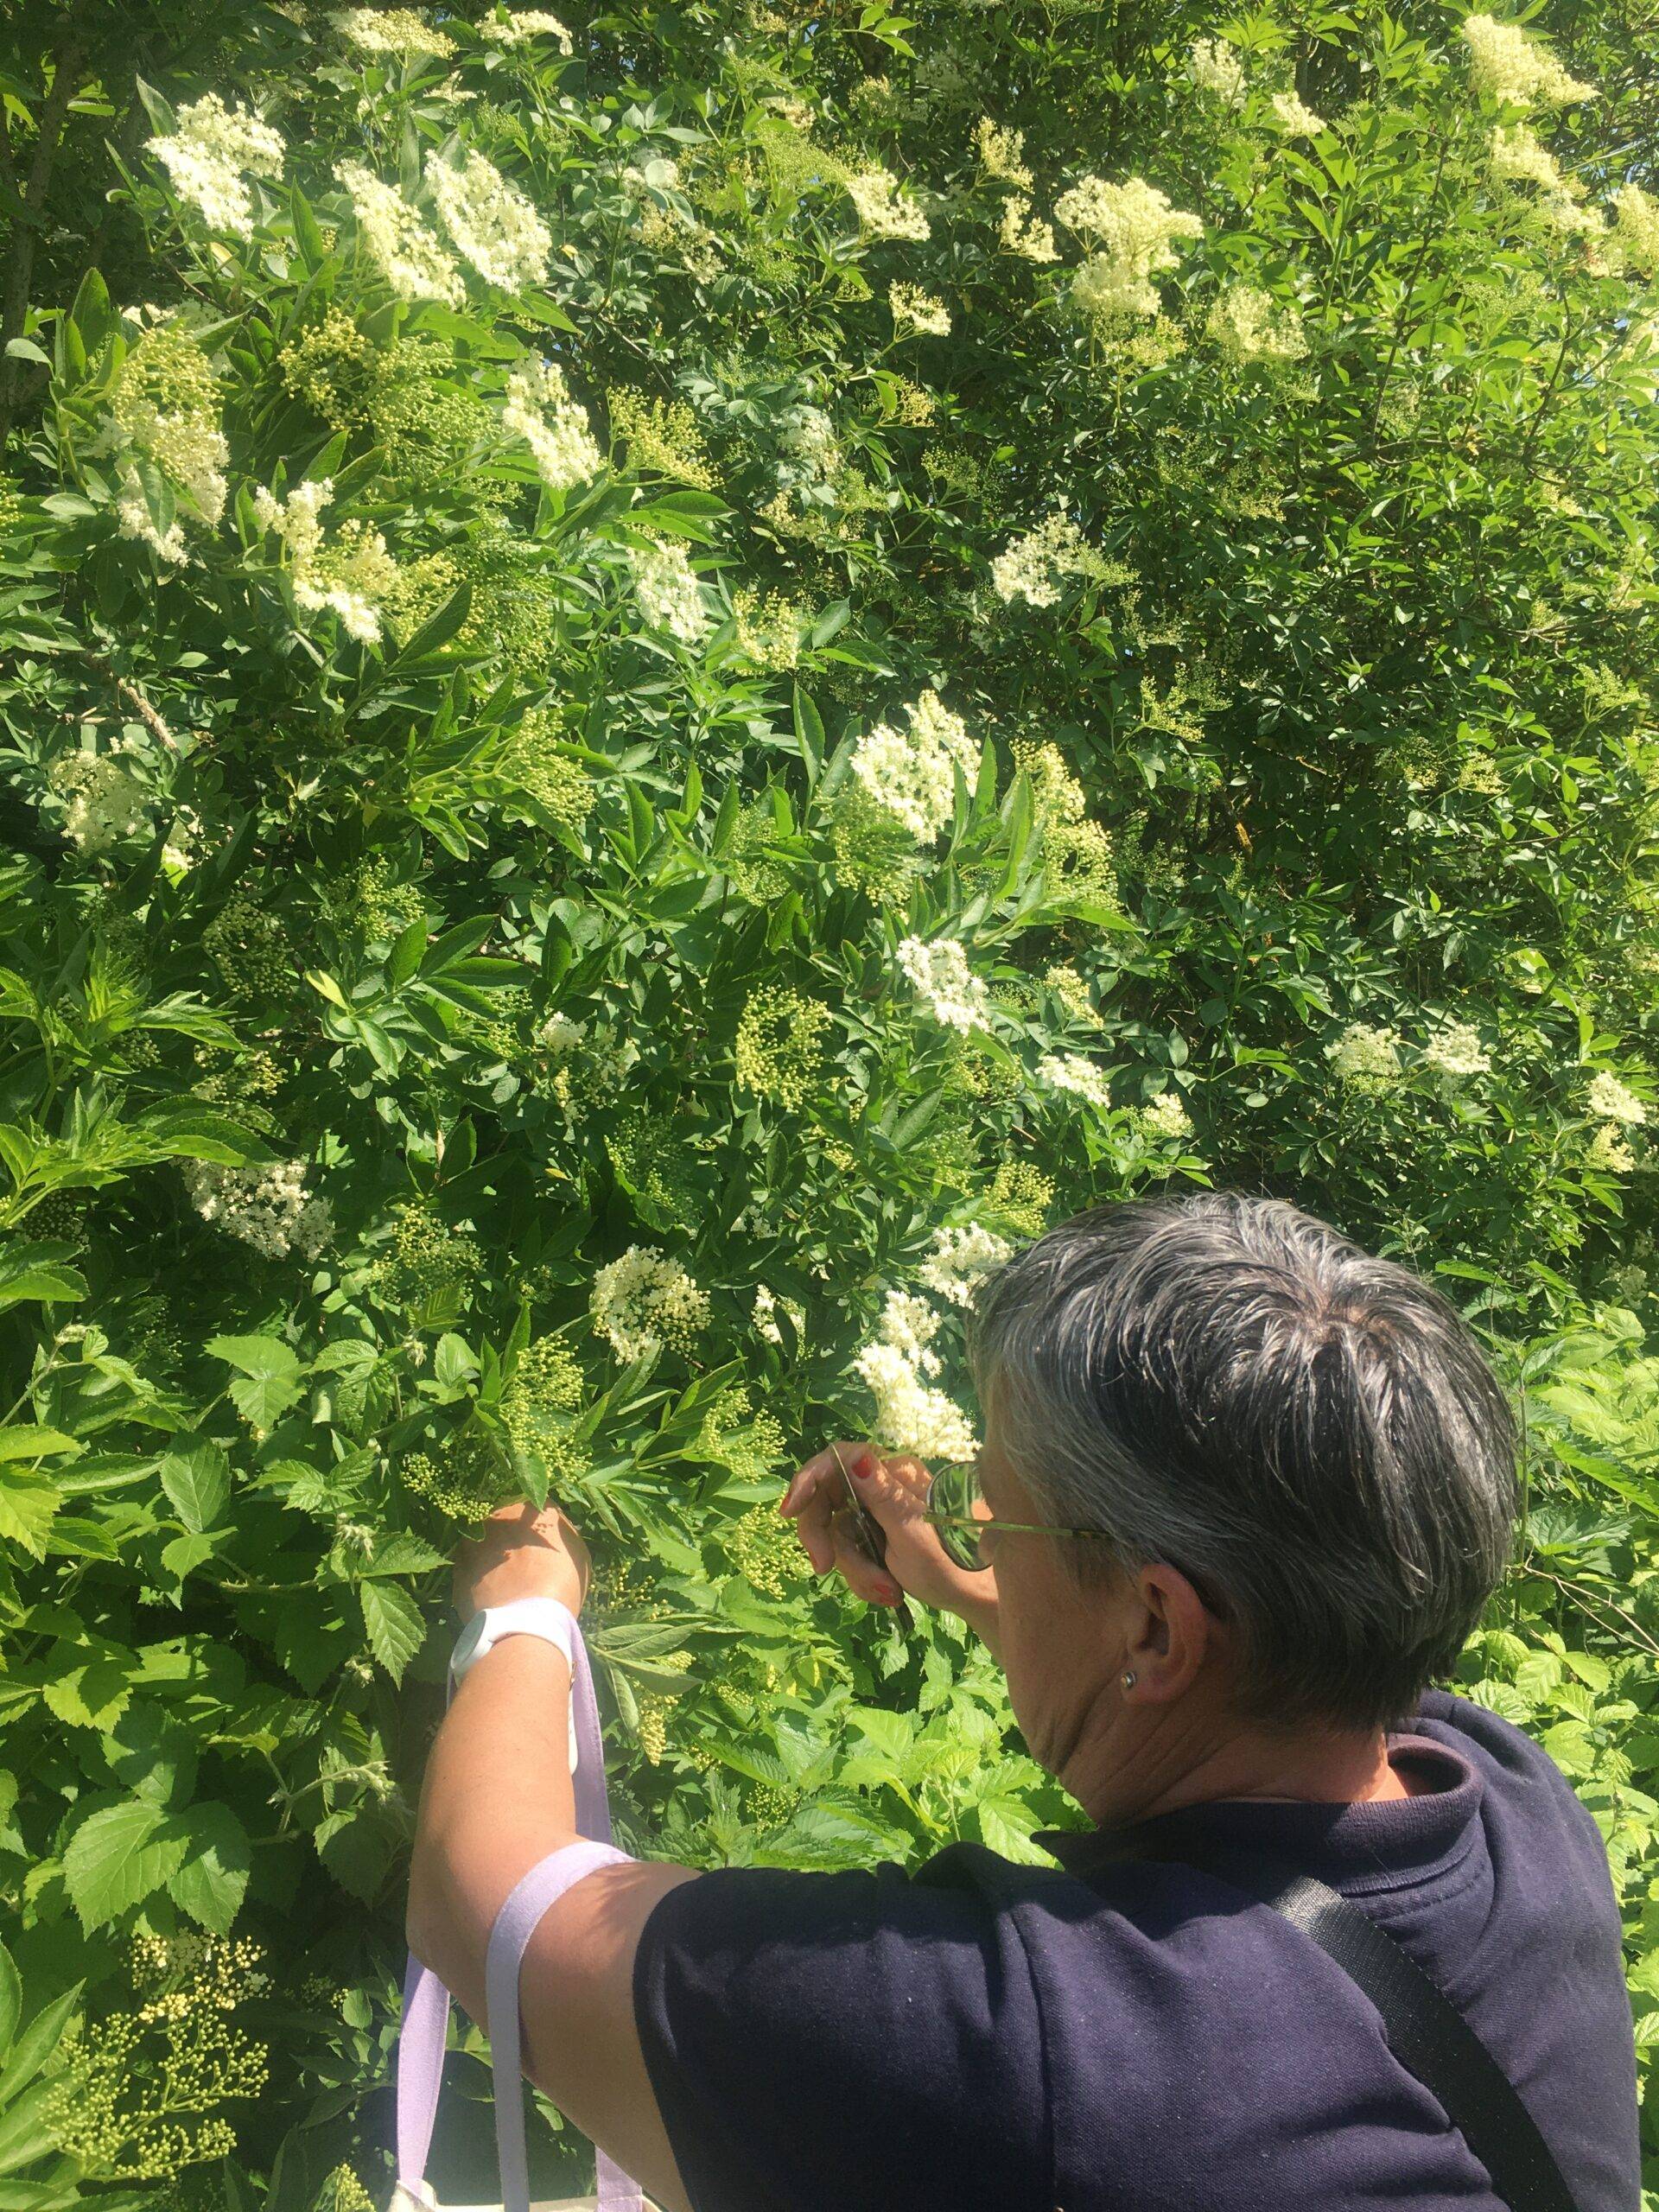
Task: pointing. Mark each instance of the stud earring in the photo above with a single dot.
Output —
(1128, 1678)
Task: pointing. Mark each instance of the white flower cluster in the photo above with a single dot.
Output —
(494, 228)
(103, 800)
(913, 774)
(352, 576)
(1137, 228)
(559, 1034)
(1215, 67)
(644, 1300)
(539, 410)
(392, 30)
(211, 155)
(1455, 1051)
(1034, 566)
(1608, 1151)
(946, 983)
(1294, 119)
(768, 1306)
(1609, 1100)
(670, 596)
(1248, 324)
(1070, 1072)
(1366, 1058)
(912, 1414)
(1511, 63)
(1002, 153)
(1165, 1116)
(807, 434)
(960, 1258)
(524, 24)
(883, 209)
(410, 254)
(920, 310)
(266, 1207)
(1025, 234)
(1639, 227)
(134, 520)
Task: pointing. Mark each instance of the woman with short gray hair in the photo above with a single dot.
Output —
(1336, 1938)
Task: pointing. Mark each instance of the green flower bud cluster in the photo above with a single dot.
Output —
(662, 437)
(1020, 1199)
(138, 2095)
(333, 368)
(748, 1445)
(873, 851)
(526, 760)
(779, 1051)
(764, 1550)
(252, 948)
(659, 1169)
(426, 1260)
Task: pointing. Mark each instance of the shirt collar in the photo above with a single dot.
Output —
(1356, 1847)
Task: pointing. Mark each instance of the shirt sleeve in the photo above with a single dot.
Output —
(818, 2042)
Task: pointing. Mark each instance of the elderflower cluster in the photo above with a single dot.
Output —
(1295, 120)
(884, 210)
(1070, 1071)
(559, 1034)
(1455, 1051)
(1024, 233)
(539, 410)
(353, 577)
(1250, 326)
(1034, 566)
(399, 31)
(670, 596)
(1509, 63)
(960, 1259)
(410, 254)
(1367, 1059)
(1609, 1100)
(644, 1300)
(165, 404)
(946, 983)
(920, 310)
(1165, 1116)
(1137, 228)
(1638, 213)
(491, 225)
(912, 1414)
(1608, 1151)
(780, 1047)
(768, 1306)
(211, 156)
(519, 27)
(1002, 153)
(1215, 67)
(266, 1207)
(913, 774)
(104, 801)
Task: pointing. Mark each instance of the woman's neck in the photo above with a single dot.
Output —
(1175, 1765)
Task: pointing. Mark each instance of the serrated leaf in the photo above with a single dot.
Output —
(268, 1380)
(357, 1850)
(392, 1622)
(118, 1858)
(401, 1554)
(26, 1439)
(212, 1880)
(197, 1481)
(27, 1505)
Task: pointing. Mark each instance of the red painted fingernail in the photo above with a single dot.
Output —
(888, 1592)
(866, 1465)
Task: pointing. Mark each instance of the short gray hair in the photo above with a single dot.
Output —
(1314, 1435)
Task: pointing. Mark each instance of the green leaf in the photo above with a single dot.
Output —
(211, 1880)
(268, 1382)
(27, 1505)
(26, 1440)
(407, 953)
(392, 1621)
(402, 1553)
(117, 1859)
(196, 1477)
(36, 2044)
(437, 630)
(11, 2000)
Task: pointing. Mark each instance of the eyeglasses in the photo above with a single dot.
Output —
(952, 1496)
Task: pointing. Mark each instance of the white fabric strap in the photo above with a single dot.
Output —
(515, 1924)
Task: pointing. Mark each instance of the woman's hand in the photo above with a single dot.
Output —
(892, 1490)
(520, 1553)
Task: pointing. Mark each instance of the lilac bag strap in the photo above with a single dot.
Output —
(426, 2001)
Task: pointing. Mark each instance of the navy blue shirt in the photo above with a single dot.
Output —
(1126, 2034)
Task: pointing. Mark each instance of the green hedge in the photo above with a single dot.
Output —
(663, 678)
